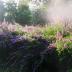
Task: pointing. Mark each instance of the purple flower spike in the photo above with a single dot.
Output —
(16, 39)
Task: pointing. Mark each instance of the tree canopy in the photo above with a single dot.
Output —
(20, 12)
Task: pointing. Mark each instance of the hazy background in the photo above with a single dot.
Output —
(35, 11)
(60, 9)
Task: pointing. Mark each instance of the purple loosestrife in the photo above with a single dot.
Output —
(17, 39)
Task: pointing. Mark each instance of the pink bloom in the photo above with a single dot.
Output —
(52, 46)
(65, 46)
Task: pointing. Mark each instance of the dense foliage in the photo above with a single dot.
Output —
(12, 12)
(23, 15)
(20, 52)
(33, 48)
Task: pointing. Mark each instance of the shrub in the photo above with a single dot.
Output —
(59, 45)
(64, 49)
(49, 33)
(29, 56)
(65, 59)
(38, 54)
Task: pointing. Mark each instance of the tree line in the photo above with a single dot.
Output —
(20, 13)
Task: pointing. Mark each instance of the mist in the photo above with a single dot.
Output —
(59, 10)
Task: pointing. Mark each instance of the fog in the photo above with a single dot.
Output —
(60, 10)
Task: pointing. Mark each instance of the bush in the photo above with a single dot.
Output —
(64, 49)
(65, 59)
(19, 54)
(29, 56)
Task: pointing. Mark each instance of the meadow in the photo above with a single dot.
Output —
(35, 48)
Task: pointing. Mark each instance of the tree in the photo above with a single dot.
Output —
(23, 15)
(17, 13)
(2, 11)
(10, 11)
(38, 9)
(24, 2)
(39, 17)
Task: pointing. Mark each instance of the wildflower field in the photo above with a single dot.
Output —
(35, 48)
